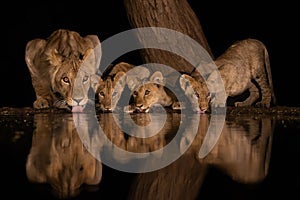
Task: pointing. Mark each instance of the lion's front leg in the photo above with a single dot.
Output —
(41, 103)
(42, 91)
(253, 96)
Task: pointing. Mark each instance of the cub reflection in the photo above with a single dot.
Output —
(242, 152)
(58, 157)
(138, 133)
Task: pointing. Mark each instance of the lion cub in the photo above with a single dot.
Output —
(243, 66)
(196, 92)
(152, 92)
(111, 86)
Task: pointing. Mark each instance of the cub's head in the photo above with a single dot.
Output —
(149, 93)
(109, 91)
(197, 93)
(72, 79)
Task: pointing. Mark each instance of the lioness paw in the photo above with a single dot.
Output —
(40, 104)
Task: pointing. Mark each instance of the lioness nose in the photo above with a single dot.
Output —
(78, 100)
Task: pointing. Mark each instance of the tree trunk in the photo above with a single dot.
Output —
(171, 14)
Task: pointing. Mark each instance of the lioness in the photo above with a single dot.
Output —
(243, 66)
(63, 69)
(111, 86)
(151, 93)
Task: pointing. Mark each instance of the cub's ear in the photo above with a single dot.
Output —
(120, 78)
(186, 81)
(135, 76)
(132, 82)
(157, 78)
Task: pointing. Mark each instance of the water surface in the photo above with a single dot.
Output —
(64, 155)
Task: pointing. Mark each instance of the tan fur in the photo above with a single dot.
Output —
(62, 68)
(242, 64)
(111, 86)
(59, 158)
(151, 93)
(196, 92)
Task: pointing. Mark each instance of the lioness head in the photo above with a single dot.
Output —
(71, 80)
(147, 94)
(197, 93)
(63, 69)
(109, 91)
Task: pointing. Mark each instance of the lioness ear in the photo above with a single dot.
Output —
(89, 62)
(97, 47)
(158, 78)
(185, 81)
(120, 77)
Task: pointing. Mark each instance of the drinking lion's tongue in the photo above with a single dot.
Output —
(77, 109)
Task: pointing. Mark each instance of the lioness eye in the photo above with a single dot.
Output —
(85, 78)
(147, 92)
(101, 93)
(197, 95)
(114, 94)
(208, 95)
(135, 93)
(66, 79)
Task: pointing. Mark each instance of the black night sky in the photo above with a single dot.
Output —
(223, 22)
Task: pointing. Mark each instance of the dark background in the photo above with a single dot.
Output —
(223, 22)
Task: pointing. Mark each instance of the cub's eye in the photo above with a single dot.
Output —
(85, 78)
(102, 94)
(208, 95)
(135, 93)
(66, 79)
(197, 95)
(147, 92)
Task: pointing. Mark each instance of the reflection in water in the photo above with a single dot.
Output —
(242, 152)
(66, 149)
(58, 157)
(130, 144)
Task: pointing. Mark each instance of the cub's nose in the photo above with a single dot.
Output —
(107, 109)
(139, 105)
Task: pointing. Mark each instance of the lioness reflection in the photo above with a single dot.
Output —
(242, 152)
(58, 157)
